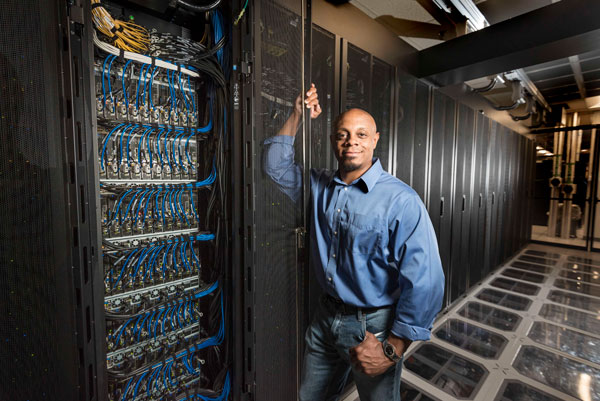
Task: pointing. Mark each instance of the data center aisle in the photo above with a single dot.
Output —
(529, 332)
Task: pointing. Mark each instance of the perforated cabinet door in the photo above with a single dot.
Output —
(276, 277)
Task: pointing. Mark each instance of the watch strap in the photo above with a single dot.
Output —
(390, 351)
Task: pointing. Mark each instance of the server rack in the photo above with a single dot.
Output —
(99, 334)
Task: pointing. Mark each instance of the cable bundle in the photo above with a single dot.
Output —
(154, 263)
(153, 207)
(158, 378)
(173, 47)
(156, 322)
(137, 145)
(125, 35)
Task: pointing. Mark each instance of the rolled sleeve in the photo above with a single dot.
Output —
(279, 165)
(420, 273)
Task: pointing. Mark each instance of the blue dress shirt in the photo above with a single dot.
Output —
(371, 242)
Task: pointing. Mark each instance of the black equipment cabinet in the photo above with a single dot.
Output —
(443, 123)
(461, 216)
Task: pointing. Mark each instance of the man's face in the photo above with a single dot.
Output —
(354, 139)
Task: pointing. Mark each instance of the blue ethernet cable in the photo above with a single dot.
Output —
(171, 318)
(183, 93)
(155, 258)
(163, 208)
(174, 258)
(124, 266)
(148, 265)
(137, 91)
(139, 205)
(167, 149)
(109, 84)
(165, 259)
(192, 203)
(178, 139)
(137, 386)
(137, 326)
(121, 331)
(119, 204)
(105, 142)
(156, 323)
(173, 148)
(148, 148)
(150, 380)
(123, 131)
(150, 332)
(103, 77)
(178, 313)
(146, 82)
(171, 204)
(178, 205)
(133, 133)
(158, 146)
(156, 205)
(129, 206)
(139, 152)
(194, 254)
(146, 206)
(142, 257)
(126, 389)
(183, 256)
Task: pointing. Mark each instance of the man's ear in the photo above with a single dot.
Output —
(376, 139)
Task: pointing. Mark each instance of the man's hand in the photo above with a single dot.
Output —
(368, 356)
(311, 101)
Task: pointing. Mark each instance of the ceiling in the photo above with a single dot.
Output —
(572, 81)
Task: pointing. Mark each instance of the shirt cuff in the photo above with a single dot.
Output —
(413, 333)
(285, 139)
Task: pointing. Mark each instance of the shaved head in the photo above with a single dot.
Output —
(354, 113)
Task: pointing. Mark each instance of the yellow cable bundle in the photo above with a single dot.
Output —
(125, 35)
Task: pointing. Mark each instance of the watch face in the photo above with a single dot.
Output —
(389, 350)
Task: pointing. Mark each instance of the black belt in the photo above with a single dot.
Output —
(351, 309)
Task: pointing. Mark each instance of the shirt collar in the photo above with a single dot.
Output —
(368, 179)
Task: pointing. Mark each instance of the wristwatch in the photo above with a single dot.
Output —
(390, 351)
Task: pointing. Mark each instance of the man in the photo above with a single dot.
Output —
(375, 255)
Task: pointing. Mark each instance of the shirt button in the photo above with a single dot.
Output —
(330, 279)
(345, 188)
(334, 255)
(335, 233)
(339, 210)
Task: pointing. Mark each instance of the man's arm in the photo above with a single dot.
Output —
(413, 245)
(279, 162)
(421, 280)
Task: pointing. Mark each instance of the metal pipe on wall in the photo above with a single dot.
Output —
(589, 177)
(568, 185)
(556, 178)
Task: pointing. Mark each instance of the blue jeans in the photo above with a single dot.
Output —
(329, 337)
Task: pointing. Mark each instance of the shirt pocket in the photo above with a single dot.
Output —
(362, 234)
